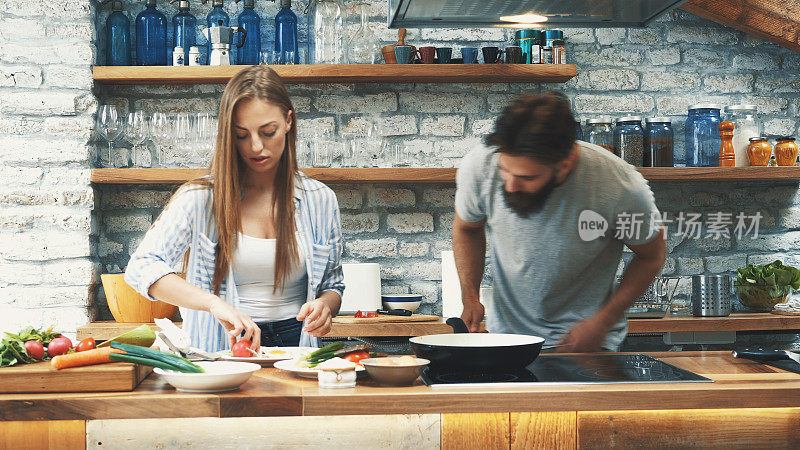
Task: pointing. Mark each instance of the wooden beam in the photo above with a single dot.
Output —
(777, 21)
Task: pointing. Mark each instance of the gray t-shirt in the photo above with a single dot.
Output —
(548, 274)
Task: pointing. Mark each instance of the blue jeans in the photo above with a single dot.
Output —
(282, 333)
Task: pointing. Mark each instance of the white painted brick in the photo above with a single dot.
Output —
(770, 105)
(20, 125)
(410, 223)
(679, 105)
(498, 102)
(20, 218)
(353, 104)
(68, 77)
(400, 125)
(82, 31)
(755, 61)
(38, 246)
(75, 127)
(441, 197)
(106, 247)
(442, 245)
(610, 36)
(443, 126)
(45, 296)
(36, 150)
(453, 103)
(20, 175)
(781, 127)
(429, 271)
(702, 35)
(77, 53)
(607, 80)
(579, 35)
(446, 221)
(482, 127)
(129, 222)
(349, 198)
(20, 29)
(429, 292)
(648, 36)
(178, 105)
(738, 83)
(372, 248)
(360, 223)
(463, 34)
(418, 149)
(55, 9)
(87, 103)
(663, 80)
(20, 273)
(457, 149)
(50, 196)
(390, 197)
(392, 271)
(68, 175)
(591, 103)
(70, 272)
(135, 199)
(66, 319)
(664, 56)
(386, 289)
(21, 76)
(722, 264)
(690, 266)
(610, 56)
(696, 57)
(416, 249)
(38, 103)
(778, 84)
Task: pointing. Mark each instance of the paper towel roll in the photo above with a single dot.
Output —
(362, 287)
(451, 288)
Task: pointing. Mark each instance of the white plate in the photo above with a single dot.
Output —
(219, 376)
(270, 354)
(305, 372)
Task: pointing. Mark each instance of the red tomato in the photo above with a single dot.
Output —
(364, 314)
(35, 349)
(86, 344)
(241, 349)
(356, 357)
(59, 346)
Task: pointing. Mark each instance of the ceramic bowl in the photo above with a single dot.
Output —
(402, 301)
(127, 305)
(400, 375)
(219, 376)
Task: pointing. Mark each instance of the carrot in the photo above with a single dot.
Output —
(85, 358)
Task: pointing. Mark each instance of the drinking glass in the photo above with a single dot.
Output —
(109, 127)
(182, 132)
(322, 153)
(161, 133)
(205, 137)
(136, 131)
(288, 57)
(399, 154)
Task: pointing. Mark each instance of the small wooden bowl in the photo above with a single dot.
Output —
(127, 305)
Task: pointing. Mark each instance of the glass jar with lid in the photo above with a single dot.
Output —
(702, 135)
(328, 31)
(658, 142)
(601, 133)
(746, 126)
(759, 151)
(629, 140)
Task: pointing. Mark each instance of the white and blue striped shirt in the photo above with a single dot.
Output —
(188, 223)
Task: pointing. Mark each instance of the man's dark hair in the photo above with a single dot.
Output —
(539, 126)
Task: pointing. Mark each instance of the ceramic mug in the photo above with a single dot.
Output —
(470, 54)
(513, 54)
(427, 54)
(404, 54)
(445, 54)
(491, 55)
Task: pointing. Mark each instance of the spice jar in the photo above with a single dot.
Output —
(759, 151)
(559, 52)
(747, 126)
(629, 140)
(658, 142)
(786, 151)
(600, 132)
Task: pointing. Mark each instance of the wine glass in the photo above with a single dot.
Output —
(109, 127)
(205, 137)
(136, 131)
(160, 132)
(182, 131)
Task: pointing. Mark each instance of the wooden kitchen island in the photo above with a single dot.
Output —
(748, 405)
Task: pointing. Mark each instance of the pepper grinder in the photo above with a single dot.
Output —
(727, 155)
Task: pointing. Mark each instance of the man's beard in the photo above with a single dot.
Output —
(525, 204)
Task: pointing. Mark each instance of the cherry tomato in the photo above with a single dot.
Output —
(356, 357)
(86, 344)
(59, 346)
(241, 349)
(35, 349)
(365, 314)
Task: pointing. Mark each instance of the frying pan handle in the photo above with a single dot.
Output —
(761, 355)
(458, 325)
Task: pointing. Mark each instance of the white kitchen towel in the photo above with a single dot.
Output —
(451, 288)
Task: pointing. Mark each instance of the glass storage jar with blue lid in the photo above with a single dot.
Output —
(658, 142)
(702, 135)
(629, 140)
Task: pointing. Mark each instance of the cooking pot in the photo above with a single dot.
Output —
(476, 351)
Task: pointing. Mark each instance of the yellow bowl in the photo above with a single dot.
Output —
(127, 305)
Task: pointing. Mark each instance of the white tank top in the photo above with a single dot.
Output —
(254, 272)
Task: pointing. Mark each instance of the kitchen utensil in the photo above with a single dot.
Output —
(188, 353)
(478, 351)
(469, 54)
(711, 295)
(127, 305)
(395, 312)
(767, 355)
(655, 302)
(304, 372)
(405, 54)
(491, 55)
(391, 375)
(219, 376)
(386, 319)
(364, 293)
(427, 54)
(388, 50)
(221, 38)
(177, 339)
(402, 301)
(41, 377)
(444, 54)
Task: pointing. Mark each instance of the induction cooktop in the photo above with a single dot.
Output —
(568, 369)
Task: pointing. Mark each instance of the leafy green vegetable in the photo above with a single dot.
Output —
(12, 347)
(765, 285)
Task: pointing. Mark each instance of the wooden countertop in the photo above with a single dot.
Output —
(271, 392)
(734, 322)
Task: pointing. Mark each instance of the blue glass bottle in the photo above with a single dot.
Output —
(702, 136)
(184, 28)
(286, 31)
(118, 37)
(248, 53)
(151, 36)
(213, 19)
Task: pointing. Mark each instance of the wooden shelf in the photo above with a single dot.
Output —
(345, 73)
(443, 175)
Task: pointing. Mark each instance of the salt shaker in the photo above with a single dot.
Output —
(177, 57)
(194, 56)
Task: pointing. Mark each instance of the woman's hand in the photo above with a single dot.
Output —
(317, 315)
(235, 322)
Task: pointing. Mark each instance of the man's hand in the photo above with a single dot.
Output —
(473, 315)
(317, 315)
(585, 337)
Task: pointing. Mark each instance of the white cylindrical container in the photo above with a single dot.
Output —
(177, 57)
(364, 287)
(337, 378)
(745, 126)
(195, 59)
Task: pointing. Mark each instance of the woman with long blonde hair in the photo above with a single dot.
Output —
(264, 241)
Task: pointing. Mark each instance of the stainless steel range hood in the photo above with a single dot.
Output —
(559, 13)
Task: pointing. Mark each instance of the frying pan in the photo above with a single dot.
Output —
(463, 350)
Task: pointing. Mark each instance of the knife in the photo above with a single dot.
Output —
(767, 355)
(394, 312)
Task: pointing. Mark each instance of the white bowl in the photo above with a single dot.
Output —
(219, 376)
(402, 301)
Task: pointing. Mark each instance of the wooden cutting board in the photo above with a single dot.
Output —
(41, 377)
(386, 319)
(785, 313)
